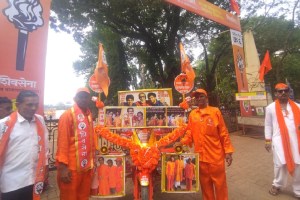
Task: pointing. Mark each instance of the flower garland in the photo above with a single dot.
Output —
(144, 158)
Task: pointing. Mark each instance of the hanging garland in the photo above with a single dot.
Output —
(144, 157)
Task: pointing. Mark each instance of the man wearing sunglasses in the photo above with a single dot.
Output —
(208, 132)
(282, 134)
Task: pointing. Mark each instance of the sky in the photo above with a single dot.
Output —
(61, 82)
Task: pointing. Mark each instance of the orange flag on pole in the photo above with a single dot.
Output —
(265, 66)
(185, 64)
(101, 71)
(235, 6)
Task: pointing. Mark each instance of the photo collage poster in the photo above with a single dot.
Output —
(180, 173)
(146, 97)
(108, 176)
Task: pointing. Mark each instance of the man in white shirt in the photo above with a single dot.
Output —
(23, 150)
(282, 134)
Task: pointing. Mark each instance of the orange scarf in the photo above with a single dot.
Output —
(285, 135)
(40, 169)
(83, 139)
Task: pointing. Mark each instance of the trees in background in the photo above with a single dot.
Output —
(141, 42)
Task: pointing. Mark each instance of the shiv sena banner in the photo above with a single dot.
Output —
(209, 11)
(240, 69)
(23, 45)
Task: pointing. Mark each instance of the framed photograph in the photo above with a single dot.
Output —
(146, 97)
(176, 116)
(180, 173)
(108, 176)
(260, 111)
(156, 116)
(120, 117)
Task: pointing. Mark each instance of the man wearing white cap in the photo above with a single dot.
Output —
(208, 132)
(76, 145)
(282, 134)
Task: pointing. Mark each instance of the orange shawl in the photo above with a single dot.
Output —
(285, 135)
(40, 168)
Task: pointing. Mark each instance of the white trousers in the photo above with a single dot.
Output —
(281, 176)
(177, 183)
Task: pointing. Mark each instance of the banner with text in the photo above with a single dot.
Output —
(23, 45)
(209, 11)
(240, 69)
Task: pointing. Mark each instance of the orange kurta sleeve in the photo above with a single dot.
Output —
(224, 135)
(63, 138)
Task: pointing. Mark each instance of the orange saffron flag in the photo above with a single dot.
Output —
(235, 7)
(265, 66)
(185, 64)
(101, 71)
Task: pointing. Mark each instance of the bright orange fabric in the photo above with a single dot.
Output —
(209, 134)
(103, 179)
(265, 66)
(179, 165)
(170, 173)
(285, 135)
(213, 181)
(66, 149)
(119, 179)
(40, 174)
(78, 189)
(112, 176)
(207, 130)
(80, 185)
(189, 174)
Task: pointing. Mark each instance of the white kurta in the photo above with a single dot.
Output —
(272, 131)
(19, 167)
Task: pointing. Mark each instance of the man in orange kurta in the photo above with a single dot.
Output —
(211, 140)
(120, 175)
(76, 144)
(112, 176)
(102, 170)
(189, 174)
(179, 165)
(170, 173)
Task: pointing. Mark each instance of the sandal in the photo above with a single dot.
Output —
(274, 191)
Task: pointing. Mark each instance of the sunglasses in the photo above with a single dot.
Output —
(281, 91)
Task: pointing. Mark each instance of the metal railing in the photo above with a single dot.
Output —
(52, 126)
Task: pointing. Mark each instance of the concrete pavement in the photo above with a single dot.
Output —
(249, 177)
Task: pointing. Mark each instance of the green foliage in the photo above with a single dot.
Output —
(141, 42)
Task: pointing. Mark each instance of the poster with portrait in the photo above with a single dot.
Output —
(180, 173)
(156, 116)
(124, 117)
(146, 97)
(108, 176)
(176, 116)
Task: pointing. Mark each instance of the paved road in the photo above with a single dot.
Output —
(249, 177)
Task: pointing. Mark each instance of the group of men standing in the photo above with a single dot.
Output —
(24, 147)
(177, 171)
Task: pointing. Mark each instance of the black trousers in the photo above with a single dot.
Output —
(25, 193)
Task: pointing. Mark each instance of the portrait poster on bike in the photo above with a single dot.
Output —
(180, 173)
(156, 116)
(146, 97)
(124, 117)
(108, 176)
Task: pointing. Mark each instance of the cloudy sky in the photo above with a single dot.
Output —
(61, 81)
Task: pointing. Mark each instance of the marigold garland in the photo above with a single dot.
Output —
(144, 158)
